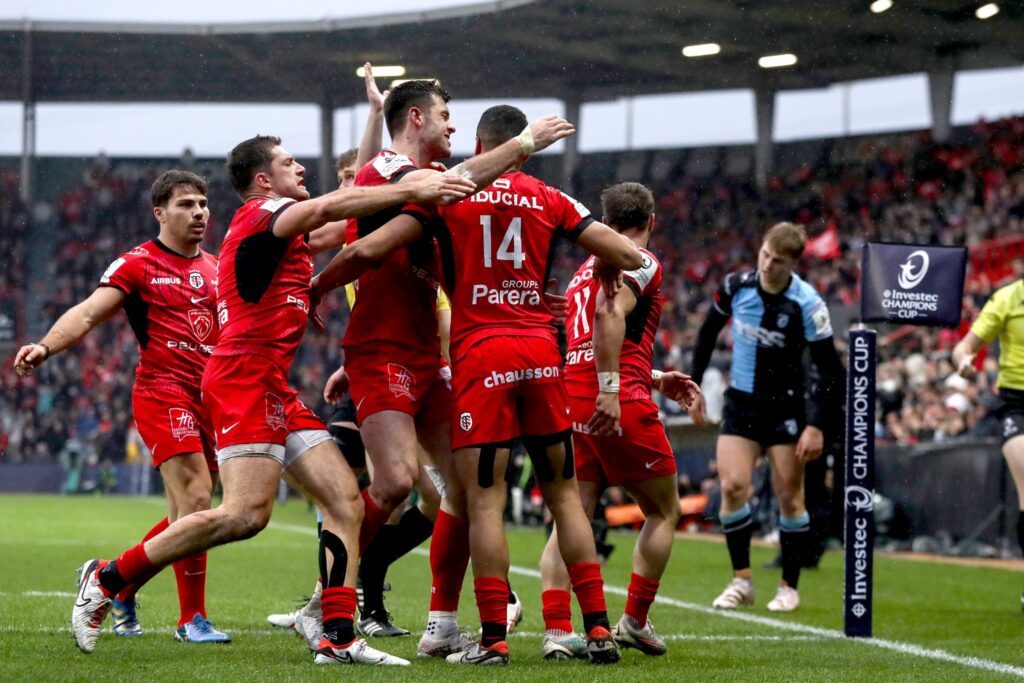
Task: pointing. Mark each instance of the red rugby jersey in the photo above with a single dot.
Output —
(395, 301)
(263, 293)
(637, 357)
(169, 301)
(496, 249)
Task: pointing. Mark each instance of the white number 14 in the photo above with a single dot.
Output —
(511, 247)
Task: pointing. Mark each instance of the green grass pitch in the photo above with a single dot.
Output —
(933, 622)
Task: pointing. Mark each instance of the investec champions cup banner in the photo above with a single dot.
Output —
(912, 284)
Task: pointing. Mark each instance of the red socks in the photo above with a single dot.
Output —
(373, 519)
(128, 594)
(588, 586)
(640, 597)
(134, 567)
(492, 601)
(190, 573)
(449, 558)
(338, 603)
(557, 610)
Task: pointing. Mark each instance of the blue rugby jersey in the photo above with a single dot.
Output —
(770, 333)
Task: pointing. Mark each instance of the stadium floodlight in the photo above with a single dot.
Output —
(383, 72)
(776, 61)
(400, 81)
(879, 6)
(987, 11)
(702, 50)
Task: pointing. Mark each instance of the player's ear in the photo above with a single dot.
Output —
(415, 117)
(478, 147)
(158, 213)
(650, 223)
(262, 180)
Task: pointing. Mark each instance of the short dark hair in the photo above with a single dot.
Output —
(500, 124)
(408, 95)
(164, 186)
(627, 206)
(250, 157)
(346, 159)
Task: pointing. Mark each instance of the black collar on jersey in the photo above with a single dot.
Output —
(765, 292)
(157, 242)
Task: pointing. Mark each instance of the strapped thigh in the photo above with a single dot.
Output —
(537, 447)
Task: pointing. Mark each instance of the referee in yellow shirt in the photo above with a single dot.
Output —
(1003, 317)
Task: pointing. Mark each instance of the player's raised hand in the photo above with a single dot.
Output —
(557, 304)
(28, 358)
(336, 387)
(545, 132)
(315, 319)
(607, 413)
(374, 97)
(679, 387)
(698, 411)
(439, 188)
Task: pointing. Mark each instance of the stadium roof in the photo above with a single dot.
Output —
(566, 49)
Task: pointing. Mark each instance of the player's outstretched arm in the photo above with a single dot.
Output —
(609, 333)
(611, 248)
(351, 202)
(69, 329)
(355, 258)
(373, 134)
(484, 168)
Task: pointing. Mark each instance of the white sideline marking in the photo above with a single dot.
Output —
(823, 633)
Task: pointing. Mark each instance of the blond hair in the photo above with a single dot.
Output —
(787, 239)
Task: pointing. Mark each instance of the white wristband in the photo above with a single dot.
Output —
(656, 375)
(525, 140)
(608, 382)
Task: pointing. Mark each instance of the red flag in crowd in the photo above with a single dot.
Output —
(825, 245)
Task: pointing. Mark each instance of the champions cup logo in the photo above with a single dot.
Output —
(275, 412)
(401, 382)
(859, 498)
(201, 321)
(183, 424)
(913, 270)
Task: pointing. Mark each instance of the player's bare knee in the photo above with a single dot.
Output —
(194, 499)
(735, 490)
(393, 488)
(248, 522)
(346, 508)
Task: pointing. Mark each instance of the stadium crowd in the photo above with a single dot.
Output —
(900, 188)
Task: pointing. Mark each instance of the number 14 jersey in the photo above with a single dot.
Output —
(496, 249)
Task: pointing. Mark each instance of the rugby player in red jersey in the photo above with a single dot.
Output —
(391, 346)
(166, 287)
(495, 252)
(617, 436)
(261, 427)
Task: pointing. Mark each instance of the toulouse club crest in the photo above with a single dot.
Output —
(195, 278)
(201, 321)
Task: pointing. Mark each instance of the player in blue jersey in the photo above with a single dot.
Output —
(776, 316)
